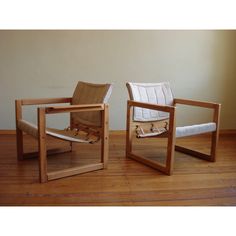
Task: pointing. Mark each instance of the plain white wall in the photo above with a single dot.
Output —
(198, 64)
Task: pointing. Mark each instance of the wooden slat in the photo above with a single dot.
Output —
(151, 106)
(74, 171)
(74, 108)
(45, 101)
(193, 153)
(195, 103)
(148, 162)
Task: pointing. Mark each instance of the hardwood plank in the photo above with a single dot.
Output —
(74, 171)
(193, 153)
(125, 182)
(49, 152)
(148, 162)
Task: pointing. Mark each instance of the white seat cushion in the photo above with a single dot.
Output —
(195, 129)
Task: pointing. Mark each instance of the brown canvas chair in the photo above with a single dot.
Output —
(88, 124)
(151, 113)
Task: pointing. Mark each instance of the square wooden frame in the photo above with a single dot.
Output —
(170, 135)
(44, 175)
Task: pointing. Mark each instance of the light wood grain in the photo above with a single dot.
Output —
(74, 171)
(171, 144)
(148, 162)
(125, 182)
(105, 136)
(44, 175)
(42, 145)
(193, 153)
(129, 127)
(45, 101)
(74, 108)
(195, 103)
(215, 135)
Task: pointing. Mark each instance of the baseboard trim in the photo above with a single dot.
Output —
(228, 131)
(121, 132)
(7, 131)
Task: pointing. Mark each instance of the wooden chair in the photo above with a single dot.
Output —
(151, 113)
(88, 123)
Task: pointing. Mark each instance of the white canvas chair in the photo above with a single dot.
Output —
(88, 124)
(151, 114)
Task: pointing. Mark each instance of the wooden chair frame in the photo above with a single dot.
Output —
(170, 135)
(44, 175)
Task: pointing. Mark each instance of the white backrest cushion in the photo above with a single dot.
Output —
(156, 93)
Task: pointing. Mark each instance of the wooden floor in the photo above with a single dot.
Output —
(125, 182)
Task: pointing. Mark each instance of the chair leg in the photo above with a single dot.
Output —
(105, 137)
(42, 161)
(71, 146)
(170, 156)
(171, 145)
(42, 146)
(215, 135)
(19, 144)
(214, 143)
(128, 130)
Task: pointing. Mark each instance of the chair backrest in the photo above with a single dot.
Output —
(88, 93)
(156, 93)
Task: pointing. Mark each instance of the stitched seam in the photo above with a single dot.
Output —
(149, 102)
(140, 100)
(158, 116)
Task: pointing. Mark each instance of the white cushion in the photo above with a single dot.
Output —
(195, 129)
(156, 93)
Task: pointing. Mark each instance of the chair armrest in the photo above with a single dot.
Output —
(196, 103)
(74, 108)
(44, 101)
(151, 106)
